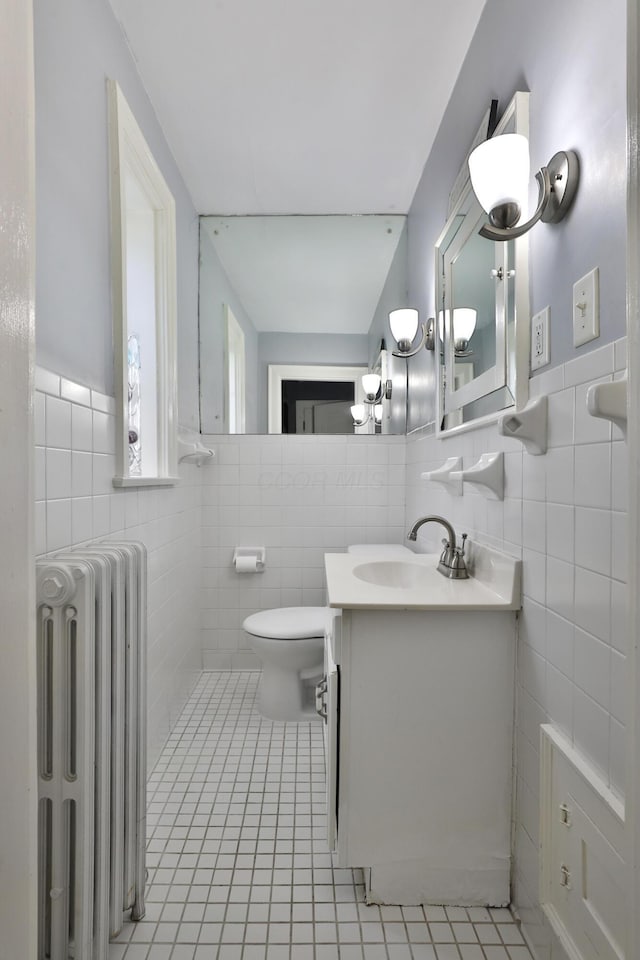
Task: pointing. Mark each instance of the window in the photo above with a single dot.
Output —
(234, 371)
(143, 268)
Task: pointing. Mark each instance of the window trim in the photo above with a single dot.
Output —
(128, 150)
(234, 346)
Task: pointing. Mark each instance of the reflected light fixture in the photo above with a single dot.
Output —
(374, 393)
(404, 325)
(464, 325)
(361, 415)
(499, 170)
(371, 385)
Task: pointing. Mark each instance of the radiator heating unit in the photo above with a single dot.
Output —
(91, 644)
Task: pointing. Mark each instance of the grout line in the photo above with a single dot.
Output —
(220, 762)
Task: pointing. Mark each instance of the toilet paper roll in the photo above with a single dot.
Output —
(247, 564)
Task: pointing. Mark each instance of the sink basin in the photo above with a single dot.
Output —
(412, 582)
(391, 573)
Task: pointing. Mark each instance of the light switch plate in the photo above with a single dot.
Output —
(540, 353)
(586, 308)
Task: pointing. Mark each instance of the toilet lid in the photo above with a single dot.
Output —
(288, 623)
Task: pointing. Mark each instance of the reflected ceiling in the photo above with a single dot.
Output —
(299, 106)
(302, 274)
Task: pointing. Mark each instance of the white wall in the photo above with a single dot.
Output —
(576, 72)
(76, 502)
(78, 45)
(215, 292)
(300, 497)
(394, 294)
(565, 515)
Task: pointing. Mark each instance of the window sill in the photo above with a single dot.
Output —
(145, 481)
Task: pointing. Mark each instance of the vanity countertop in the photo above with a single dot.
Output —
(494, 583)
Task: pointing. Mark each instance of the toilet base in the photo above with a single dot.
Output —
(283, 695)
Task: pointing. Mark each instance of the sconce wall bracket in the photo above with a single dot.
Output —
(557, 185)
(427, 339)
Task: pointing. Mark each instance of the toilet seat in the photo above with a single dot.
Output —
(288, 623)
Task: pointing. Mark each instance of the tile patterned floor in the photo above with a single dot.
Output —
(239, 867)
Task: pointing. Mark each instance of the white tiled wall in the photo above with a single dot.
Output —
(565, 514)
(76, 501)
(300, 497)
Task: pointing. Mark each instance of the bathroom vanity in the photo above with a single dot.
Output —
(418, 698)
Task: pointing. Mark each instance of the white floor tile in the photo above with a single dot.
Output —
(238, 865)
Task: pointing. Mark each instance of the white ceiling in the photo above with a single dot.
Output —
(306, 274)
(299, 106)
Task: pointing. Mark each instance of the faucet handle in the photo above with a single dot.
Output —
(445, 555)
(458, 566)
(460, 550)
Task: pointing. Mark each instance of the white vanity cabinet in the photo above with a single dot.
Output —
(423, 730)
(420, 732)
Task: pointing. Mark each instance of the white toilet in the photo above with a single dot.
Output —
(290, 644)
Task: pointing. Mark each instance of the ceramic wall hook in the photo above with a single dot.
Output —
(444, 475)
(487, 474)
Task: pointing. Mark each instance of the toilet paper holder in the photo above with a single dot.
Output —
(242, 554)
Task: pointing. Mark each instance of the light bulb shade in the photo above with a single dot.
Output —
(499, 171)
(377, 413)
(404, 324)
(357, 412)
(464, 323)
(371, 385)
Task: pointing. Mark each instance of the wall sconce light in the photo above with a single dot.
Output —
(375, 391)
(464, 325)
(371, 385)
(499, 170)
(361, 416)
(404, 325)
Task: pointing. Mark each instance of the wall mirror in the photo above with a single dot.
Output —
(482, 307)
(310, 296)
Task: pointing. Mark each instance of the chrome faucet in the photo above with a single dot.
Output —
(451, 563)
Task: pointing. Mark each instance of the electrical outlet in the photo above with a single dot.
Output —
(540, 353)
(586, 309)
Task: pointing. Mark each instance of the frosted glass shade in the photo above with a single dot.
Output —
(371, 385)
(357, 412)
(404, 324)
(464, 323)
(377, 412)
(499, 170)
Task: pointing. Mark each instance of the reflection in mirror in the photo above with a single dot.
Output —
(316, 406)
(308, 398)
(484, 369)
(305, 291)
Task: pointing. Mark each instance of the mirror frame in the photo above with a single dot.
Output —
(451, 402)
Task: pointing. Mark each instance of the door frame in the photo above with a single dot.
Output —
(18, 739)
(632, 793)
(278, 372)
